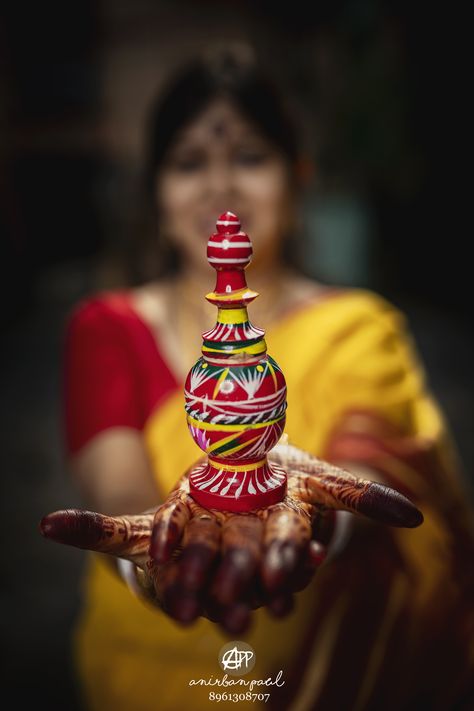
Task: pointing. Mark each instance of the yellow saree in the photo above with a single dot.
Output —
(356, 393)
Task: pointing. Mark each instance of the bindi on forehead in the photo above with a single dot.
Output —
(226, 129)
(219, 129)
(219, 126)
(222, 124)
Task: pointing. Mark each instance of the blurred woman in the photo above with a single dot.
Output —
(385, 623)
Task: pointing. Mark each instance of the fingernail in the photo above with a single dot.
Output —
(45, 527)
(281, 605)
(279, 562)
(185, 609)
(389, 506)
(194, 566)
(161, 550)
(317, 553)
(226, 589)
(236, 618)
(233, 577)
(73, 527)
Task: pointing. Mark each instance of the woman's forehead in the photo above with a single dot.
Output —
(220, 121)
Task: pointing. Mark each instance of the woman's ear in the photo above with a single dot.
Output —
(305, 171)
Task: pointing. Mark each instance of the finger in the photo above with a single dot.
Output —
(314, 557)
(168, 526)
(170, 595)
(200, 544)
(281, 605)
(124, 536)
(241, 546)
(287, 533)
(324, 524)
(236, 619)
(182, 606)
(233, 619)
(338, 489)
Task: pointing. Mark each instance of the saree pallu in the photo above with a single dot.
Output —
(387, 622)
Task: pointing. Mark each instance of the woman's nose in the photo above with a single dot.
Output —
(220, 179)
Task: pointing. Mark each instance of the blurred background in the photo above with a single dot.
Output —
(373, 85)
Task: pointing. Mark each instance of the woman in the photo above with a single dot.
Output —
(385, 623)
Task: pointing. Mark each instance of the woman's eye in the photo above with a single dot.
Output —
(187, 164)
(251, 157)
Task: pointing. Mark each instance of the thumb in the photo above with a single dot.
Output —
(122, 536)
(338, 489)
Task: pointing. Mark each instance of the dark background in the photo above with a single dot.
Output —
(379, 86)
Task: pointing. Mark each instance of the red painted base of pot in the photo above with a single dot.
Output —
(218, 484)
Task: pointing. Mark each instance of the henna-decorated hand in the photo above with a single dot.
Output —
(192, 561)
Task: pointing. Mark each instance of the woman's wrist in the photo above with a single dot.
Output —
(127, 571)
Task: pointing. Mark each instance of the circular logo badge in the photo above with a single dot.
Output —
(237, 658)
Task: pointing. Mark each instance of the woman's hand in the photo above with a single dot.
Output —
(192, 561)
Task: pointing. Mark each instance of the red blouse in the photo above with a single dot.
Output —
(113, 372)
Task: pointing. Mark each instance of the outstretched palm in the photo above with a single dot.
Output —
(192, 561)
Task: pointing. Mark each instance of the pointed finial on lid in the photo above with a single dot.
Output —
(228, 223)
(229, 247)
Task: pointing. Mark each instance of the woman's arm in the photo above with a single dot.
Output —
(114, 474)
(103, 412)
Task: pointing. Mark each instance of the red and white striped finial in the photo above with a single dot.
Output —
(229, 247)
(228, 223)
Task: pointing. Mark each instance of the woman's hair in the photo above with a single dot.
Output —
(230, 73)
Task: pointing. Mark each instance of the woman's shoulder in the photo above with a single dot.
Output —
(342, 304)
(113, 312)
(344, 319)
(359, 304)
(98, 309)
